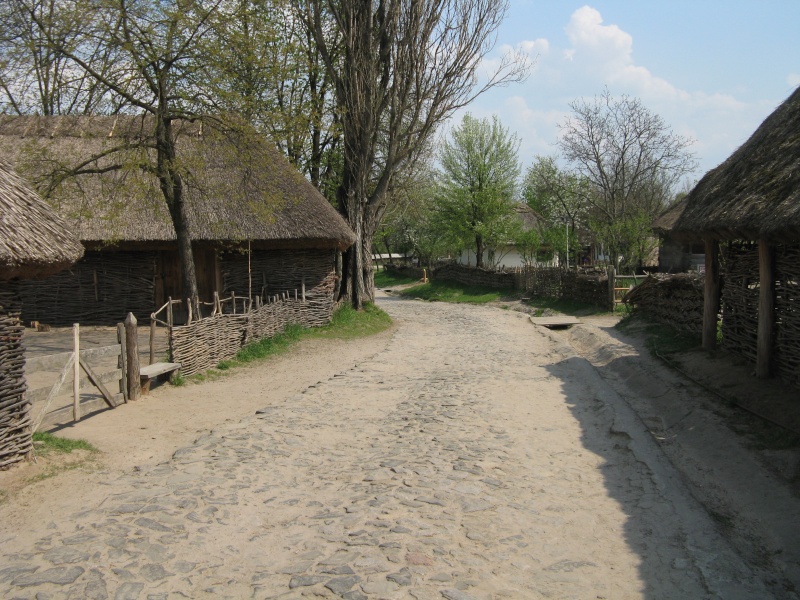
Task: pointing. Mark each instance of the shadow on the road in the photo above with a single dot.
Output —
(665, 526)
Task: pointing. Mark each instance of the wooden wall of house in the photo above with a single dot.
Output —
(276, 271)
(100, 289)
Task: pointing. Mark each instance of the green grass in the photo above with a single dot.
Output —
(385, 280)
(50, 444)
(448, 291)
(346, 323)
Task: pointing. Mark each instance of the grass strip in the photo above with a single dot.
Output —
(450, 291)
(346, 323)
(51, 444)
(384, 279)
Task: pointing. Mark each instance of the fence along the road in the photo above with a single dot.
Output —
(84, 389)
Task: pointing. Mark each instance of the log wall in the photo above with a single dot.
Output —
(15, 434)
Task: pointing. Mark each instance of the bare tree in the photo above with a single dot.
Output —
(399, 69)
(36, 76)
(632, 161)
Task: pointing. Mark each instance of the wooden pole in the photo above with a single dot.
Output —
(189, 309)
(711, 295)
(123, 362)
(76, 373)
(152, 339)
(766, 310)
(132, 356)
(169, 312)
(303, 289)
(612, 283)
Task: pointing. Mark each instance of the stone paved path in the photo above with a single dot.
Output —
(474, 458)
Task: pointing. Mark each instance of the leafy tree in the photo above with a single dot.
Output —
(477, 183)
(399, 69)
(630, 159)
(156, 63)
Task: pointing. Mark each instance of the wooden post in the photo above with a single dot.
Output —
(132, 356)
(711, 295)
(233, 302)
(152, 339)
(76, 373)
(612, 283)
(189, 309)
(766, 310)
(170, 320)
(217, 306)
(123, 363)
(303, 289)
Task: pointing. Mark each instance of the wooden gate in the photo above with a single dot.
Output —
(88, 376)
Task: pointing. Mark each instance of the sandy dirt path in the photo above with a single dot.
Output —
(463, 455)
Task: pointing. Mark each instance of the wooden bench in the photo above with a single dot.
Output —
(154, 371)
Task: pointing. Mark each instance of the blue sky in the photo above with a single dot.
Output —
(713, 70)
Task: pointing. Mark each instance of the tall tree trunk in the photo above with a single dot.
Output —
(171, 184)
(478, 252)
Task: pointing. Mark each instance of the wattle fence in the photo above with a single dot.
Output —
(593, 289)
(203, 343)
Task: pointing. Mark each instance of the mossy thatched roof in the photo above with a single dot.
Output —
(666, 220)
(237, 186)
(34, 241)
(755, 193)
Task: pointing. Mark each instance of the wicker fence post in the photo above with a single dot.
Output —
(76, 373)
(132, 356)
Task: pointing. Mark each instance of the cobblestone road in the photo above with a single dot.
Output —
(474, 458)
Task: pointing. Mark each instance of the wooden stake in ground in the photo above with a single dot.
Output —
(132, 354)
(76, 373)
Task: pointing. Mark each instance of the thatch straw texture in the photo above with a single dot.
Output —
(755, 193)
(34, 241)
(237, 186)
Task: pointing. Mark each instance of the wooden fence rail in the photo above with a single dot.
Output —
(92, 380)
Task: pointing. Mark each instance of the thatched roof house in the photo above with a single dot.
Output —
(755, 193)
(255, 222)
(34, 241)
(754, 196)
(238, 187)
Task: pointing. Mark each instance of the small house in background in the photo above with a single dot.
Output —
(509, 254)
(676, 256)
(258, 227)
(34, 243)
(750, 206)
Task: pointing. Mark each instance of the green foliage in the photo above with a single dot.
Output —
(47, 443)
(448, 291)
(476, 186)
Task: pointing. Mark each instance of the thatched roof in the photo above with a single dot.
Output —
(237, 185)
(34, 241)
(529, 218)
(755, 193)
(666, 220)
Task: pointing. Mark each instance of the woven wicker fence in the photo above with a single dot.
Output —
(740, 299)
(98, 290)
(787, 309)
(473, 276)
(204, 343)
(15, 434)
(676, 300)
